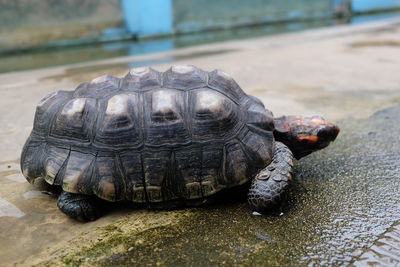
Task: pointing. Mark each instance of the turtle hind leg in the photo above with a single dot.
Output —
(268, 188)
(80, 207)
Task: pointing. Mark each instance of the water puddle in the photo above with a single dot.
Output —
(361, 44)
(10, 170)
(9, 210)
(384, 252)
(9, 165)
(34, 194)
(17, 177)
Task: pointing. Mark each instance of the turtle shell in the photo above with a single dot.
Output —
(150, 136)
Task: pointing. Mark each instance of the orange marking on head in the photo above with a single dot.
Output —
(311, 138)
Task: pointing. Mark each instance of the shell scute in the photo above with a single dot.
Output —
(78, 173)
(54, 162)
(139, 79)
(46, 109)
(119, 121)
(260, 117)
(189, 170)
(214, 114)
(258, 149)
(184, 77)
(212, 163)
(107, 182)
(165, 117)
(132, 166)
(237, 169)
(75, 119)
(155, 167)
(220, 80)
(98, 87)
(32, 160)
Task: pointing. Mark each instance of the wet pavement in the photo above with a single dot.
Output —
(343, 206)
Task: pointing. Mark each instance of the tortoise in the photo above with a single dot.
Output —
(165, 140)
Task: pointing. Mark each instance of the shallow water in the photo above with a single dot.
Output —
(385, 251)
(9, 210)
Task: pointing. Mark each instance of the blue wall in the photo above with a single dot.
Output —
(158, 17)
(200, 15)
(148, 17)
(368, 5)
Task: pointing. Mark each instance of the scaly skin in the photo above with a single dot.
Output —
(295, 137)
(269, 185)
(80, 207)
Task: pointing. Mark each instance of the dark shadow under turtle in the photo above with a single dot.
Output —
(165, 140)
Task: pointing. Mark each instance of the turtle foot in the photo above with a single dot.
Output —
(79, 207)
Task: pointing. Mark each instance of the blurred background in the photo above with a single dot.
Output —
(44, 33)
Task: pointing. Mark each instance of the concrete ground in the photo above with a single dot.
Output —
(346, 73)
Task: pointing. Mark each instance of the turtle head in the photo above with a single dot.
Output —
(304, 135)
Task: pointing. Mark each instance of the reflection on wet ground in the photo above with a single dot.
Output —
(384, 252)
(340, 206)
(9, 210)
(376, 43)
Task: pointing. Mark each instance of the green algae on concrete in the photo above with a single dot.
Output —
(343, 197)
(115, 238)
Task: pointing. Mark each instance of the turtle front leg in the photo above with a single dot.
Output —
(80, 207)
(269, 185)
